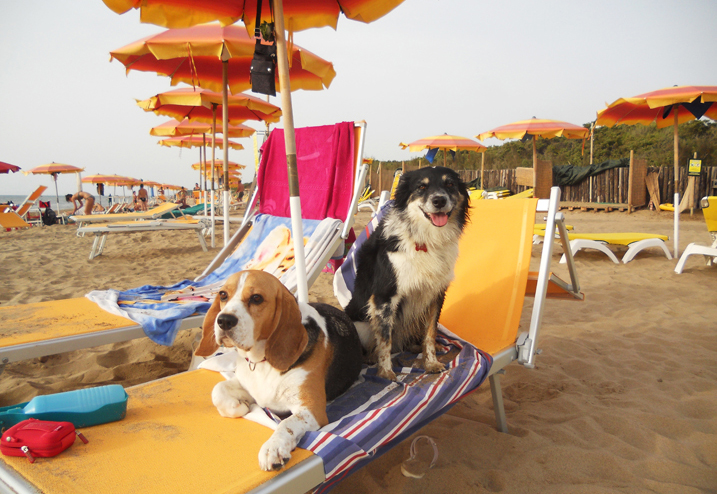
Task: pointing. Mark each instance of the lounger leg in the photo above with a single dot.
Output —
(201, 240)
(580, 243)
(95, 244)
(498, 401)
(102, 244)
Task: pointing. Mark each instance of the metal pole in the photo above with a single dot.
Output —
(225, 139)
(302, 290)
(676, 202)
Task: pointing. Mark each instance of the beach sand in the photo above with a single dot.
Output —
(623, 397)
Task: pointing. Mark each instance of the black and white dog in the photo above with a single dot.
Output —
(404, 268)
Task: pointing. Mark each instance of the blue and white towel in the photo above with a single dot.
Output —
(268, 246)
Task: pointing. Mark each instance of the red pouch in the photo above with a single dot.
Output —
(38, 439)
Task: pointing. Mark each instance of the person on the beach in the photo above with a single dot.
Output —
(76, 200)
(135, 207)
(181, 198)
(143, 197)
(196, 186)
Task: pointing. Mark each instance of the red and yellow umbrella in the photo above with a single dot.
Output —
(536, 127)
(54, 169)
(291, 15)
(7, 167)
(664, 107)
(194, 141)
(445, 143)
(194, 55)
(172, 128)
(201, 105)
(298, 15)
(219, 164)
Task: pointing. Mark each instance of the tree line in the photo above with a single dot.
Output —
(653, 144)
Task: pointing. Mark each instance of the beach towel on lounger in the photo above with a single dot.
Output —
(375, 413)
(268, 246)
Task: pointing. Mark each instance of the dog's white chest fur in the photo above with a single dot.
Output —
(269, 387)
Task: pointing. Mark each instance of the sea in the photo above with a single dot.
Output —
(50, 196)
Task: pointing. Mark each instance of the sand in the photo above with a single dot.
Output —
(623, 398)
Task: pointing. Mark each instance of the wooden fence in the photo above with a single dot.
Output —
(610, 187)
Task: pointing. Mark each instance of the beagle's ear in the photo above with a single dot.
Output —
(209, 345)
(288, 340)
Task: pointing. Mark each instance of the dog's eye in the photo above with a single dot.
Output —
(256, 299)
(449, 184)
(422, 187)
(223, 296)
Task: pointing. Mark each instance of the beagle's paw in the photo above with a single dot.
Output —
(231, 401)
(274, 453)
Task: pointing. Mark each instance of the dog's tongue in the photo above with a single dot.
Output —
(439, 219)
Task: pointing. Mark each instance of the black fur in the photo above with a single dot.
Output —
(346, 362)
(421, 196)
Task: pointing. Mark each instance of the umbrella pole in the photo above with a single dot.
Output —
(482, 170)
(676, 202)
(225, 139)
(302, 290)
(214, 148)
(203, 171)
(57, 196)
(535, 165)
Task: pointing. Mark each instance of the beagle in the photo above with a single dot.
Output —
(293, 357)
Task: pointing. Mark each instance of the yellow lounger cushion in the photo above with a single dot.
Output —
(172, 440)
(55, 319)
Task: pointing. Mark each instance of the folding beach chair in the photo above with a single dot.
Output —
(635, 243)
(29, 201)
(46, 328)
(709, 210)
(154, 213)
(101, 231)
(174, 419)
(10, 220)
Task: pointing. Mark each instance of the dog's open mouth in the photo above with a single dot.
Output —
(438, 219)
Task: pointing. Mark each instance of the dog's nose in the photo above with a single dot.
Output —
(439, 201)
(227, 321)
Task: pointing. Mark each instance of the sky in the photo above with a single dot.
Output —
(428, 67)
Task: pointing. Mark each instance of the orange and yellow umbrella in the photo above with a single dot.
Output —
(106, 179)
(219, 164)
(291, 15)
(664, 107)
(192, 141)
(299, 15)
(534, 128)
(201, 105)
(54, 169)
(174, 127)
(445, 143)
(194, 56)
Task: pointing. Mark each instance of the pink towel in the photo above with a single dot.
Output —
(325, 167)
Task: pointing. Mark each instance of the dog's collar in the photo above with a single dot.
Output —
(252, 365)
(422, 247)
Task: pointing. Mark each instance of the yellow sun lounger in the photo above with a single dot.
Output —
(101, 231)
(173, 439)
(635, 243)
(709, 210)
(10, 220)
(156, 212)
(30, 201)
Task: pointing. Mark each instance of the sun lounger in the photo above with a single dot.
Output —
(162, 311)
(173, 418)
(29, 201)
(635, 242)
(709, 210)
(84, 219)
(101, 231)
(10, 220)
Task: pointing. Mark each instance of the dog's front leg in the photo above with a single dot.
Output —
(430, 362)
(383, 316)
(231, 399)
(277, 450)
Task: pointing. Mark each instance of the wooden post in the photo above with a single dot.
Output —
(629, 182)
(535, 165)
